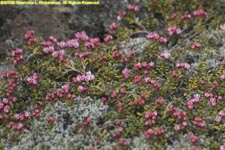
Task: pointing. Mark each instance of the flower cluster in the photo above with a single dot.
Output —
(151, 133)
(191, 102)
(29, 37)
(156, 37)
(200, 13)
(64, 92)
(173, 30)
(183, 65)
(133, 7)
(17, 55)
(88, 76)
(33, 80)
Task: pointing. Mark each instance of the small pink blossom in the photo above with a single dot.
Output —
(222, 77)
(6, 109)
(173, 30)
(165, 55)
(186, 17)
(133, 7)
(1, 105)
(50, 120)
(81, 88)
(114, 94)
(73, 43)
(104, 100)
(126, 73)
(113, 26)
(213, 101)
(193, 138)
(173, 16)
(200, 12)
(120, 15)
(82, 36)
(123, 90)
(55, 54)
(218, 119)
(196, 45)
(222, 27)
(62, 44)
(108, 38)
(87, 121)
(222, 147)
(120, 106)
(221, 113)
(163, 40)
(153, 36)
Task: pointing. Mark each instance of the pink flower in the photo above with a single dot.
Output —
(220, 97)
(50, 119)
(89, 76)
(213, 101)
(151, 64)
(165, 55)
(153, 36)
(218, 119)
(177, 127)
(200, 12)
(27, 114)
(108, 38)
(222, 147)
(61, 52)
(160, 101)
(123, 90)
(221, 113)
(1, 105)
(186, 17)
(121, 15)
(133, 7)
(163, 40)
(173, 16)
(82, 36)
(149, 133)
(6, 109)
(120, 106)
(5, 100)
(81, 88)
(32, 80)
(198, 122)
(222, 27)
(222, 77)
(196, 45)
(173, 30)
(123, 142)
(19, 126)
(49, 49)
(113, 26)
(193, 138)
(62, 44)
(126, 73)
(66, 87)
(73, 43)
(104, 100)
(87, 121)
(55, 54)
(114, 94)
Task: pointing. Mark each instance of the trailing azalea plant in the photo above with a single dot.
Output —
(160, 91)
